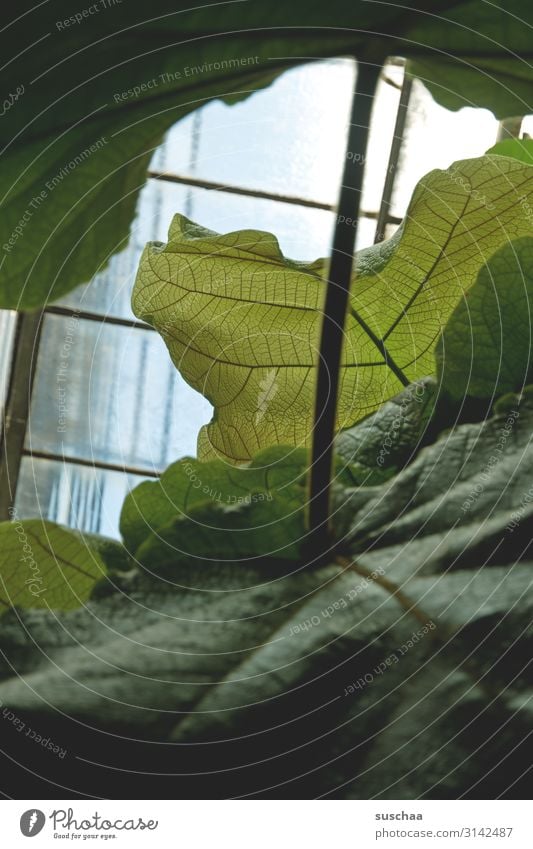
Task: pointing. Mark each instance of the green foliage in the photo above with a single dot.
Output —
(242, 322)
(383, 443)
(391, 666)
(73, 162)
(71, 173)
(485, 349)
(349, 679)
(212, 511)
(474, 54)
(521, 149)
(197, 510)
(44, 565)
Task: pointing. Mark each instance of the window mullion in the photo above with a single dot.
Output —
(335, 307)
(17, 408)
(392, 167)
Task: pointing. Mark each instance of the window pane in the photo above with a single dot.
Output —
(287, 138)
(304, 233)
(78, 496)
(7, 335)
(109, 292)
(111, 394)
(436, 137)
(527, 126)
(384, 110)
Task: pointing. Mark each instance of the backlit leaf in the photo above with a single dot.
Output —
(45, 565)
(242, 322)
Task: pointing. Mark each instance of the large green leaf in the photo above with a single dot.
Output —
(242, 322)
(45, 565)
(463, 54)
(254, 511)
(79, 139)
(87, 104)
(260, 510)
(384, 442)
(399, 670)
(485, 349)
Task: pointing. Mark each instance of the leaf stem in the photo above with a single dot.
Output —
(336, 303)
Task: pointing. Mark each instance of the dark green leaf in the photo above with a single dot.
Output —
(87, 105)
(485, 348)
(250, 511)
(384, 442)
(397, 671)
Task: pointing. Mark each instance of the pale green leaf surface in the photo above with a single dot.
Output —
(45, 565)
(242, 322)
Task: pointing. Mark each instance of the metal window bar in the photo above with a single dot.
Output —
(335, 309)
(15, 418)
(26, 345)
(384, 216)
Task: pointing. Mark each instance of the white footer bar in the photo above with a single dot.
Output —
(267, 824)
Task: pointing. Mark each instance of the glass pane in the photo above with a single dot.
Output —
(272, 141)
(287, 138)
(526, 129)
(109, 293)
(381, 135)
(78, 496)
(109, 393)
(365, 233)
(436, 137)
(304, 233)
(7, 335)
(390, 230)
